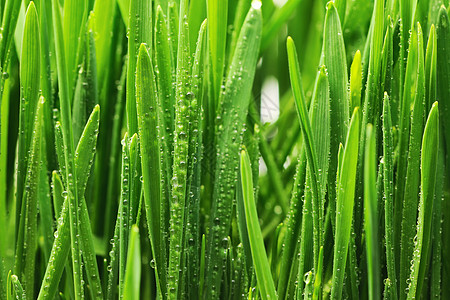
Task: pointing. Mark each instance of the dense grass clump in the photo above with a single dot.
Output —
(224, 149)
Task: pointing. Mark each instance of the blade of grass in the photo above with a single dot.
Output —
(217, 14)
(260, 262)
(133, 272)
(67, 133)
(29, 80)
(139, 31)
(370, 215)
(311, 151)
(233, 110)
(410, 199)
(150, 151)
(26, 254)
(388, 183)
(74, 17)
(430, 148)
(183, 97)
(334, 58)
(344, 204)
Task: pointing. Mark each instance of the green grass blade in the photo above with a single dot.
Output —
(192, 223)
(133, 272)
(183, 97)
(139, 31)
(217, 12)
(443, 71)
(173, 23)
(84, 157)
(430, 148)
(410, 199)
(10, 16)
(344, 204)
(26, 254)
(150, 151)
(334, 58)
(67, 133)
(430, 69)
(29, 83)
(371, 215)
(311, 150)
(388, 184)
(260, 262)
(74, 17)
(233, 110)
(18, 289)
(104, 11)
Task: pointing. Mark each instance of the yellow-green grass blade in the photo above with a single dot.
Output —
(151, 166)
(371, 215)
(388, 184)
(173, 23)
(234, 106)
(411, 196)
(260, 262)
(217, 14)
(29, 83)
(344, 204)
(139, 31)
(355, 81)
(429, 159)
(133, 271)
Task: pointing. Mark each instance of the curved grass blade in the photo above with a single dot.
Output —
(388, 184)
(429, 158)
(133, 272)
(260, 262)
(371, 215)
(140, 31)
(344, 204)
(150, 151)
(233, 110)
